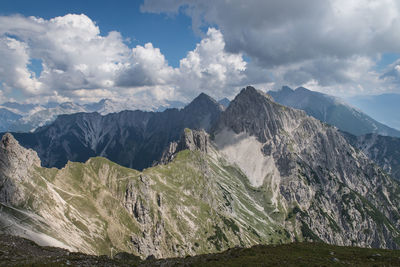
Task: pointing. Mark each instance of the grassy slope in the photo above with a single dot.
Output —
(206, 206)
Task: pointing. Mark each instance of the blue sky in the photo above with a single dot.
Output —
(171, 33)
(173, 50)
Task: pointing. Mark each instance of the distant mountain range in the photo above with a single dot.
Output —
(18, 117)
(256, 172)
(134, 139)
(7, 119)
(332, 110)
(383, 150)
(384, 108)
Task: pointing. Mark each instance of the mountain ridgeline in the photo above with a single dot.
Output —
(263, 173)
(134, 139)
(331, 110)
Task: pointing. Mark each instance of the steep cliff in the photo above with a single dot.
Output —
(319, 184)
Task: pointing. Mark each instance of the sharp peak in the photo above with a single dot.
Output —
(201, 98)
(250, 91)
(8, 139)
(11, 147)
(286, 88)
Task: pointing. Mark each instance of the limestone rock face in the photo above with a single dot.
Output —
(191, 139)
(313, 174)
(15, 162)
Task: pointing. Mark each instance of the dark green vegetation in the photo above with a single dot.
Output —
(15, 251)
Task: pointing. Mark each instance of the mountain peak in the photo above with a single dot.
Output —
(8, 141)
(10, 146)
(204, 97)
(249, 90)
(15, 160)
(190, 139)
(250, 94)
(254, 112)
(286, 89)
(204, 101)
(224, 102)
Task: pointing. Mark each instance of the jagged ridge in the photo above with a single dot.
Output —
(133, 139)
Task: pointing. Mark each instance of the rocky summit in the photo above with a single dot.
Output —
(254, 173)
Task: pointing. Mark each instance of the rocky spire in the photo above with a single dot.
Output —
(15, 160)
(190, 139)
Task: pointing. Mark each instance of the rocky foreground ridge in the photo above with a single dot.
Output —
(265, 174)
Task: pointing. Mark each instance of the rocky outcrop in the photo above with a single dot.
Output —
(190, 139)
(15, 163)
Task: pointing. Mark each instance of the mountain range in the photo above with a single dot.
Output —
(383, 108)
(207, 179)
(19, 117)
(134, 139)
(332, 110)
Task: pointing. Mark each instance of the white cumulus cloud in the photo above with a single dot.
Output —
(309, 41)
(78, 63)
